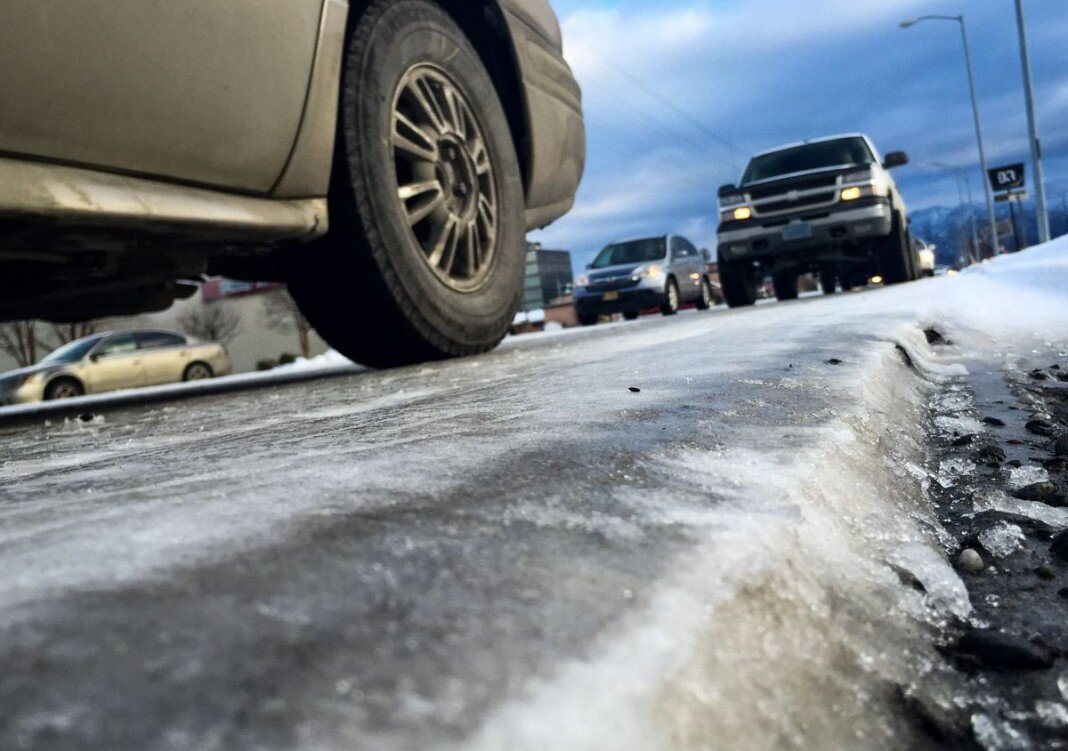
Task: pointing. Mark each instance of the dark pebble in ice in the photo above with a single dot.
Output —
(1041, 427)
(834, 361)
(1062, 377)
(1014, 463)
(1061, 448)
(997, 422)
(1045, 572)
(1058, 501)
(990, 455)
(1039, 375)
(964, 440)
(87, 417)
(1000, 651)
(1064, 592)
(635, 390)
(1059, 547)
(1039, 491)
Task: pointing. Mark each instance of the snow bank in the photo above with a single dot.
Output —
(1019, 295)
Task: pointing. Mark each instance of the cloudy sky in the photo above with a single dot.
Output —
(678, 94)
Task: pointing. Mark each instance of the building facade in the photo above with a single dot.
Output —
(549, 276)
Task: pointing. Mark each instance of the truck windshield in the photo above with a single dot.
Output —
(635, 251)
(810, 156)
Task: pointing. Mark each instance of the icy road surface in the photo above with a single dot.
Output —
(514, 551)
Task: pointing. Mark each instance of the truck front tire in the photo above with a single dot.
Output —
(739, 286)
(785, 284)
(893, 254)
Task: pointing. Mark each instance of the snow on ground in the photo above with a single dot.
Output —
(516, 551)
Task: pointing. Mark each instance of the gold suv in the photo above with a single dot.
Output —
(385, 158)
(114, 361)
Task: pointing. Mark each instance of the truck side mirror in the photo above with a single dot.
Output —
(896, 159)
(726, 190)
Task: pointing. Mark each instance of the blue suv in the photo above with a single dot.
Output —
(657, 272)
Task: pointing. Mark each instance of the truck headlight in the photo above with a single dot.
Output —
(725, 202)
(852, 194)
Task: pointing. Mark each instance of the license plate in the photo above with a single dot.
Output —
(610, 296)
(797, 231)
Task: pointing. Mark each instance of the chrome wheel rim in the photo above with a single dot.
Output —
(198, 373)
(446, 184)
(673, 297)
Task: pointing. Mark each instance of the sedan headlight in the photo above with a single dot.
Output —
(652, 271)
(582, 281)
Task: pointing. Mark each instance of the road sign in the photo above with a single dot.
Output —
(1016, 195)
(1007, 178)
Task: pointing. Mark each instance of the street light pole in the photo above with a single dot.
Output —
(975, 112)
(1041, 206)
(962, 177)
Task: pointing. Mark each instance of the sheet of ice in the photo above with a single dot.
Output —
(1000, 501)
(1002, 540)
(1021, 477)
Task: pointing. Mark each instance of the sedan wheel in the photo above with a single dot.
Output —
(63, 388)
(198, 371)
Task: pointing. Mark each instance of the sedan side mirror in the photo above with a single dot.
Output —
(896, 159)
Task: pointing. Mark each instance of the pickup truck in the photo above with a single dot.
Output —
(827, 206)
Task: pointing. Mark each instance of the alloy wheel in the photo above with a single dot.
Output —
(445, 178)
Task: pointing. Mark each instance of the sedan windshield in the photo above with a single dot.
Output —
(636, 251)
(72, 352)
(811, 156)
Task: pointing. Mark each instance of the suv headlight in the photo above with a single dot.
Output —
(651, 271)
(583, 281)
(861, 176)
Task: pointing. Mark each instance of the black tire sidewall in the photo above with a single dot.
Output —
(407, 33)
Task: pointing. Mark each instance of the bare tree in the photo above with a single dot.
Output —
(213, 322)
(65, 333)
(22, 341)
(283, 315)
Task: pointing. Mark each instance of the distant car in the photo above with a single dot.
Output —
(925, 257)
(655, 272)
(114, 361)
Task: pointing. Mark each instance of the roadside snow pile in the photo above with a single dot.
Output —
(329, 360)
(1023, 294)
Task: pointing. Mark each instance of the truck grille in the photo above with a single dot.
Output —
(778, 189)
(813, 199)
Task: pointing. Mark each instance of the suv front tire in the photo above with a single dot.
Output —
(424, 258)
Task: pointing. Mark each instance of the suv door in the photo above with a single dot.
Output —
(202, 91)
(116, 364)
(687, 269)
